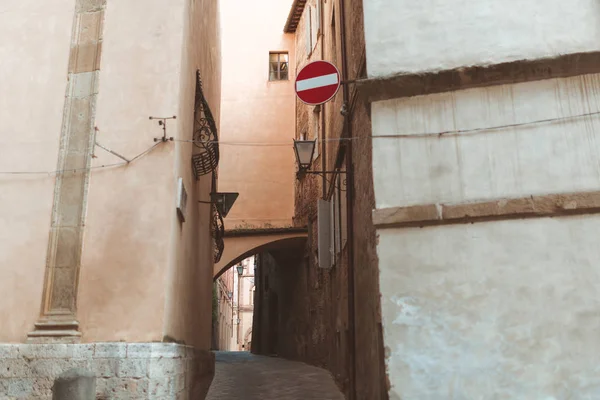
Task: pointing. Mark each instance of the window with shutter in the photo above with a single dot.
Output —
(316, 135)
(308, 30)
(332, 241)
(318, 16)
(315, 25)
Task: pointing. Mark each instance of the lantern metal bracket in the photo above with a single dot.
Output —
(321, 172)
(301, 173)
(162, 121)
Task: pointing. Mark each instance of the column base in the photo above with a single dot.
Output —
(53, 331)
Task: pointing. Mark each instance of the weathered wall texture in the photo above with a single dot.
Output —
(409, 37)
(34, 48)
(484, 309)
(485, 163)
(302, 311)
(255, 110)
(492, 310)
(136, 371)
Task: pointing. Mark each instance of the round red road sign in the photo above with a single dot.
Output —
(317, 82)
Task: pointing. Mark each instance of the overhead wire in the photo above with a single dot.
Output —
(74, 170)
(448, 133)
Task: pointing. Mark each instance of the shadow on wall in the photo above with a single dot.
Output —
(281, 310)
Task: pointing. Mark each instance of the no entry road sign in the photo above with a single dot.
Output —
(317, 82)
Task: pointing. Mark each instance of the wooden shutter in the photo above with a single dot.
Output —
(308, 31)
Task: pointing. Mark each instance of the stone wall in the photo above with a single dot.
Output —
(305, 312)
(124, 370)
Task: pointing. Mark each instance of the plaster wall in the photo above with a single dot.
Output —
(492, 310)
(413, 164)
(407, 37)
(130, 209)
(189, 291)
(145, 275)
(256, 110)
(34, 49)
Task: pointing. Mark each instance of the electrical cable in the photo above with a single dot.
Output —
(409, 135)
(74, 170)
(448, 133)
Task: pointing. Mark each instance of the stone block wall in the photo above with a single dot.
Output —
(124, 370)
(330, 317)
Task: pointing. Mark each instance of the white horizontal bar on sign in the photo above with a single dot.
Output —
(319, 81)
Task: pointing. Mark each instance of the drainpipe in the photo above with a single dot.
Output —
(323, 144)
(349, 204)
(239, 317)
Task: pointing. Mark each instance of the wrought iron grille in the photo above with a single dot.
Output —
(218, 234)
(205, 157)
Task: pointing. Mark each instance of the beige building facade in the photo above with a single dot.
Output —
(104, 258)
(257, 115)
(257, 130)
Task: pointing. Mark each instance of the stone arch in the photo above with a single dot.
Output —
(240, 245)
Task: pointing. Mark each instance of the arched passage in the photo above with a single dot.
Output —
(240, 245)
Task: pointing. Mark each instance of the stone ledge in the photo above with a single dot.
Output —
(524, 207)
(407, 85)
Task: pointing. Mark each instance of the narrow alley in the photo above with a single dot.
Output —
(242, 375)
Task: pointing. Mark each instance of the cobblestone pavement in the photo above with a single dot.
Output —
(244, 376)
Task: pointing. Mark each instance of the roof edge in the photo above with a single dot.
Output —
(292, 23)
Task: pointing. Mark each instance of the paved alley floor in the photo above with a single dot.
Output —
(244, 376)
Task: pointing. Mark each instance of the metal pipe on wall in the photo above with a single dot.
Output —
(349, 202)
(323, 138)
(239, 319)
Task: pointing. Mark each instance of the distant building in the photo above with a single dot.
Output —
(223, 328)
(235, 296)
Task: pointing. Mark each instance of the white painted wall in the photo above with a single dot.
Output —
(542, 158)
(407, 36)
(498, 310)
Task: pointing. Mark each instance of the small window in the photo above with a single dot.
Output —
(278, 66)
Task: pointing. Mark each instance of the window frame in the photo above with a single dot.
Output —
(279, 63)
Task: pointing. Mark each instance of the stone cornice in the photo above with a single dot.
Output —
(524, 207)
(407, 85)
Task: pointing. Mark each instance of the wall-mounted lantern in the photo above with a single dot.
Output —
(240, 270)
(305, 151)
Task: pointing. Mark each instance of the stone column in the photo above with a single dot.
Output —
(58, 318)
